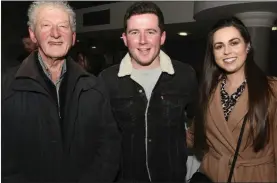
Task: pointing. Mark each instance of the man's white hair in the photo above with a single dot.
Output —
(32, 12)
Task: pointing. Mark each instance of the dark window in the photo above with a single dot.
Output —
(96, 18)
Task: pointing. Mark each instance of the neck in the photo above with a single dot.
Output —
(153, 65)
(235, 79)
(53, 66)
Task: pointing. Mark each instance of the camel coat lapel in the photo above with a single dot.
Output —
(226, 128)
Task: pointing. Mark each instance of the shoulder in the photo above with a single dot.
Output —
(11, 71)
(183, 68)
(184, 71)
(110, 71)
(93, 88)
(109, 76)
(8, 76)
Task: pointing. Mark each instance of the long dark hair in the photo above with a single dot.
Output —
(258, 91)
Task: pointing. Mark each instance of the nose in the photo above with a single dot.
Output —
(142, 38)
(227, 50)
(55, 32)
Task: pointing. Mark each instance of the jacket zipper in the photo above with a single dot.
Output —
(146, 139)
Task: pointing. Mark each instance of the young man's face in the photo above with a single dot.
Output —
(144, 38)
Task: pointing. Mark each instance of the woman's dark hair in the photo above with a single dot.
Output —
(258, 90)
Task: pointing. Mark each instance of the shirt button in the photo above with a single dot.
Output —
(140, 91)
(149, 140)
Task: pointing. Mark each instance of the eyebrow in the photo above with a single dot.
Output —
(146, 30)
(228, 41)
(45, 20)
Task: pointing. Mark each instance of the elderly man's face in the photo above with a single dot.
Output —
(53, 32)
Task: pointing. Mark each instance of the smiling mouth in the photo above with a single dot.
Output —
(230, 60)
(55, 43)
(144, 50)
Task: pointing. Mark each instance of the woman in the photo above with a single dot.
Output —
(233, 87)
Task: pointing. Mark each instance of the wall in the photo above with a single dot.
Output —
(174, 12)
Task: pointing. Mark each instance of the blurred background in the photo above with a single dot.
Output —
(100, 23)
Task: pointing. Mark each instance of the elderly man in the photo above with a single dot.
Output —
(57, 124)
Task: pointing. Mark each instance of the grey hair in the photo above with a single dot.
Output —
(32, 11)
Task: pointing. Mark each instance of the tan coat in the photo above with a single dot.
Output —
(222, 139)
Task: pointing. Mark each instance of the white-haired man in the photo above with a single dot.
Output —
(57, 124)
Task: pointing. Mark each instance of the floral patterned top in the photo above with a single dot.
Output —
(228, 102)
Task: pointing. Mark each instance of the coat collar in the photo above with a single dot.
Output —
(126, 67)
(30, 69)
(236, 116)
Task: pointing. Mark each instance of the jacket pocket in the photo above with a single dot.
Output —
(122, 110)
(173, 107)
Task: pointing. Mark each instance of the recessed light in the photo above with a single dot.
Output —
(182, 33)
(274, 28)
(93, 47)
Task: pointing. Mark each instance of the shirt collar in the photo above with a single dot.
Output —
(126, 66)
(45, 70)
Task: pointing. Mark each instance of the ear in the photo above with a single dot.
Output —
(248, 47)
(73, 38)
(124, 37)
(163, 37)
(32, 35)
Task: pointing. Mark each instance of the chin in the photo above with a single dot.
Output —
(56, 55)
(145, 63)
(231, 71)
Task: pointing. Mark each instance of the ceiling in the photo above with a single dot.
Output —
(85, 4)
(15, 23)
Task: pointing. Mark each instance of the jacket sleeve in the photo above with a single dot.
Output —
(105, 166)
(191, 109)
(10, 148)
(193, 96)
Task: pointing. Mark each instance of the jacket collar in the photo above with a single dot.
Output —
(29, 69)
(126, 67)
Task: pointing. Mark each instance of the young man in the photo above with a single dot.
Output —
(57, 124)
(150, 94)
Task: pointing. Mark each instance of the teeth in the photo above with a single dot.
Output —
(229, 59)
(144, 51)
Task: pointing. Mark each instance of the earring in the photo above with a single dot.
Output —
(248, 48)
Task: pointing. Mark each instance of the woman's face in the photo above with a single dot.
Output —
(230, 49)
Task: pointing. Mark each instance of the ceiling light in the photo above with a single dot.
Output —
(182, 34)
(274, 28)
(93, 47)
